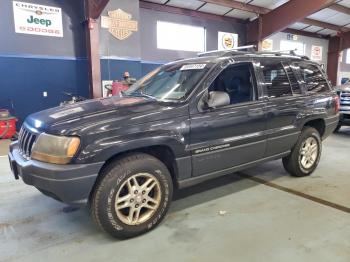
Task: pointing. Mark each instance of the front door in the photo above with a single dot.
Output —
(232, 135)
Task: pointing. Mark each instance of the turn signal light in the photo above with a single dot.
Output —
(337, 104)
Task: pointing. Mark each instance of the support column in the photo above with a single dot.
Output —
(93, 10)
(93, 54)
(334, 50)
(254, 32)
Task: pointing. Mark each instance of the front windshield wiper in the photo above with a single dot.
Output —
(139, 94)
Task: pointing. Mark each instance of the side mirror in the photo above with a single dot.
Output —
(218, 99)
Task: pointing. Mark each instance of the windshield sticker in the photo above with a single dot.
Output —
(66, 112)
(192, 67)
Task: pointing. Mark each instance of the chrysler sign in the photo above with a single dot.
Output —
(37, 19)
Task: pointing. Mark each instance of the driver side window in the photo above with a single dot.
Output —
(237, 81)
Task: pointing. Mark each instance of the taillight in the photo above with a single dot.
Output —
(337, 104)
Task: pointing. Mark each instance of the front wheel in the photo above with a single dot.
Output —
(305, 155)
(132, 197)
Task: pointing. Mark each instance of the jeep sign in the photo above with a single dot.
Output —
(37, 19)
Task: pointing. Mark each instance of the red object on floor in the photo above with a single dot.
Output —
(7, 127)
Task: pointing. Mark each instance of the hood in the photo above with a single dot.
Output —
(69, 119)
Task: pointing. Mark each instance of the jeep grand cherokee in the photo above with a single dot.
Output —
(184, 123)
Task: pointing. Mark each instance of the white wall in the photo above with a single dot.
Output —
(308, 42)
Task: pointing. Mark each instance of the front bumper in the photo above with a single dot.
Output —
(70, 184)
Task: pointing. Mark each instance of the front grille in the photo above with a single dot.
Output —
(344, 100)
(26, 141)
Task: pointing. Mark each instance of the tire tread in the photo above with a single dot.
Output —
(291, 162)
(106, 174)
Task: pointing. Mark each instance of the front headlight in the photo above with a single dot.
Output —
(55, 149)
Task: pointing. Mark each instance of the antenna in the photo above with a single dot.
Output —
(227, 50)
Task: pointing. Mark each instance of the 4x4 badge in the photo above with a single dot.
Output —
(119, 24)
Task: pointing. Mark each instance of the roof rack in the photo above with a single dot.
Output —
(283, 52)
(226, 51)
(251, 50)
(289, 51)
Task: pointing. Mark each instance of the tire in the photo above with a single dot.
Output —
(336, 130)
(294, 163)
(136, 213)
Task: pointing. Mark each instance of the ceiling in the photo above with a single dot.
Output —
(326, 22)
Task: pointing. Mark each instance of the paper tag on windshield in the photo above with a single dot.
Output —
(192, 67)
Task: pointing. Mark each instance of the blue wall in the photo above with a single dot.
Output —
(24, 79)
(147, 67)
(32, 64)
(113, 69)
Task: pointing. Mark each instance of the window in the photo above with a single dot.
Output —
(276, 79)
(299, 47)
(237, 81)
(313, 78)
(347, 56)
(171, 82)
(180, 37)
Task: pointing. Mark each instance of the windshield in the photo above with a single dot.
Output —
(169, 82)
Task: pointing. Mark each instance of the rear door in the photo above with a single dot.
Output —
(284, 102)
(320, 98)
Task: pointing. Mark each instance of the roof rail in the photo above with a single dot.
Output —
(246, 47)
(289, 52)
(250, 50)
(283, 52)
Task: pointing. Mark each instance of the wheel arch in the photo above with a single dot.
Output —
(162, 152)
(319, 124)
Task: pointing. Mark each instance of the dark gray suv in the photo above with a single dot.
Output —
(184, 123)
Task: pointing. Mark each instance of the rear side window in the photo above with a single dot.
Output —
(313, 78)
(276, 79)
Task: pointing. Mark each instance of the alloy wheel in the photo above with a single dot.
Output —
(308, 153)
(138, 199)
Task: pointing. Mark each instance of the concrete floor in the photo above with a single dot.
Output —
(261, 223)
(4, 144)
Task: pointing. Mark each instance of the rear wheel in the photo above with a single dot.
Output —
(305, 155)
(132, 197)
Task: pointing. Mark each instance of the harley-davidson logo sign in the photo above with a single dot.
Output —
(119, 24)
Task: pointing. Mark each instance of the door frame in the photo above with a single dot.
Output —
(202, 91)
